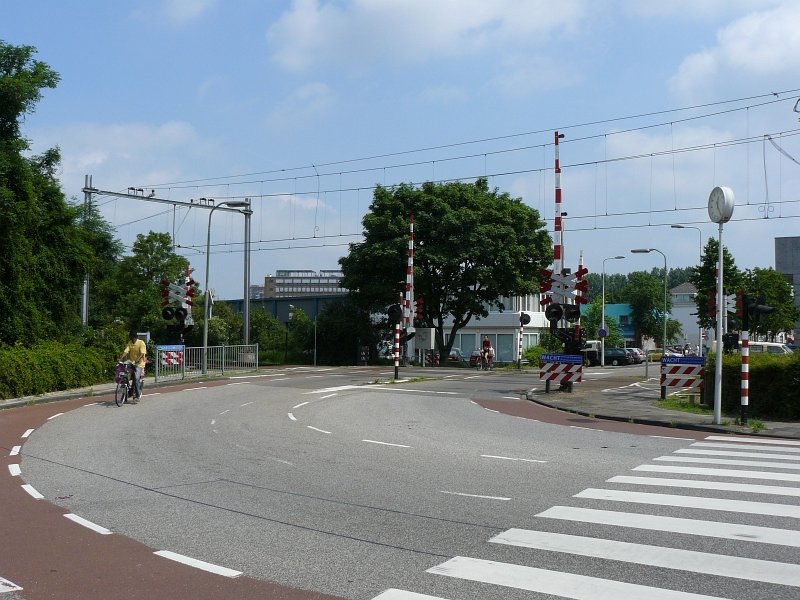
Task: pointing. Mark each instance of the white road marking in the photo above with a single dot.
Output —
(256, 376)
(299, 405)
(567, 585)
(339, 388)
(669, 437)
(225, 411)
(476, 496)
(281, 379)
(15, 450)
(213, 421)
(8, 586)
(315, 429)
(729, 438)
(198, 564)
(235, 383)
(777, 490)
(202, 387)
(54, 416)
(703, 452)
(715, 529)
(743, 506)
(726, 461)
(328, 396)
(314, 376)
(27, 433)
(32, 491)
(719, 472)
(386, 444)
(655, 556)
(741, 446)
(88, 524)
(510, 458)
(245, 404)
(292, 417)
(395, 594)
(391, 388)
(490, 409)
(511, 397)
(14, 470)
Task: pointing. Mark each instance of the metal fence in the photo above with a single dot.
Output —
(181, 362)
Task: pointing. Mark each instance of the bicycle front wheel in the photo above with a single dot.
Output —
(121, 394)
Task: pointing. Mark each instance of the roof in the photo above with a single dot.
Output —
(684, 288)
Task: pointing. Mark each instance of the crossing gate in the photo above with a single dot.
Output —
(562, 368)
(682, 371)
(170, 360)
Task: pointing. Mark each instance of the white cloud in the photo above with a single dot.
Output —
(765, 43)
(521, 75)
(305, 103)
(693, 9)
(313, 33)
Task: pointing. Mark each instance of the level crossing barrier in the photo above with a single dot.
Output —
(565, 369)
(684, 372)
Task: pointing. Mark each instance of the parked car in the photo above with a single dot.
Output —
(618, 356)
(638, 354)
(456, 356)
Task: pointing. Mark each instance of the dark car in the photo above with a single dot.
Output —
(618, 356)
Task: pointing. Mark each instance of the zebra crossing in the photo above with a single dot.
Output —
(735, 493)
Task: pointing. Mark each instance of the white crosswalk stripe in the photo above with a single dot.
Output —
(721, 494)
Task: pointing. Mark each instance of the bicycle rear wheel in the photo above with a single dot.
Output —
(121, 394)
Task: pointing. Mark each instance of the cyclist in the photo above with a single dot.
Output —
(136, 352)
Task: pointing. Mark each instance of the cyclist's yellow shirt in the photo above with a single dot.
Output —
(136, 352)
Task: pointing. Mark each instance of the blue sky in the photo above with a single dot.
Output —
(303, 106)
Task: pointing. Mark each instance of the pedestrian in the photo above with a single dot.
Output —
(486, 347)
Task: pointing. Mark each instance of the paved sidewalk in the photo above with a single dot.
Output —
(631, 398)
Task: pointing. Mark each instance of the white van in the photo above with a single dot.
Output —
(769, 348)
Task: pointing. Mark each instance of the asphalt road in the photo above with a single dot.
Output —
(331, 482)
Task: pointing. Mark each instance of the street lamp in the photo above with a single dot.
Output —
(645, 251)
(207, 305)
(603, 313)
(700, 232)
(286, 341)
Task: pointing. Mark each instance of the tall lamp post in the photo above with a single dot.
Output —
(206, 303)
(286, 342)
(645, 251)
(603, 313)
(700, 232)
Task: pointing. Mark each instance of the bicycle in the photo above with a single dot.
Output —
(124, 374)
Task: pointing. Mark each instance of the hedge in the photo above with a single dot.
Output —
(51, 366)
(774, 385)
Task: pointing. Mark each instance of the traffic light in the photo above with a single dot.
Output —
(758, 309)
(395, 313)
(575, 342)
(554, 313)
(165, 294)
(168, 313)
(712, 303)
(524, 319)
(730, 342)
(572, 312)
(419, 312)
(190, 291)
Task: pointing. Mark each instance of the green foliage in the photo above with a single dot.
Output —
(704, 278)
(342, 328)
(593, 318)
(532, 354)
(474, 246)
(776, 292)
(774, 381)
(645, 294)
(49, 366)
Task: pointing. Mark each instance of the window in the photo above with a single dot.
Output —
(624, 320)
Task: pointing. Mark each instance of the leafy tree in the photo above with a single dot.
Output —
(645, 293)
(43, 256)
(474, 246)
(615, 287)
(704, 278)
(593, 318)
(776, 292)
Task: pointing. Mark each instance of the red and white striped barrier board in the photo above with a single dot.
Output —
(682, 371)
(171, 356)
(563, 368)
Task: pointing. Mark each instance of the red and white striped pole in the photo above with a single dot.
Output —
(558, 257)
(745, 344)
(408, 306)
(397, 345)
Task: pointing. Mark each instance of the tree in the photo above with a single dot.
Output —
(474, 247)
(776, 292)
(704, 278)
(43, 256)
(592, 319)
(645, 294)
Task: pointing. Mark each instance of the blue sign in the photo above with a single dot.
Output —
(570, 359)
(683, 360)
(176, 348)
(602, 333)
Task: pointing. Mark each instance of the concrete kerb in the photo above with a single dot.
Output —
(672, 423)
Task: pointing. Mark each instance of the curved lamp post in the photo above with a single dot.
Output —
(645, 251)
(229, 204)
(603, 312)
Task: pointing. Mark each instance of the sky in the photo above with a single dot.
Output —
(303, 106)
